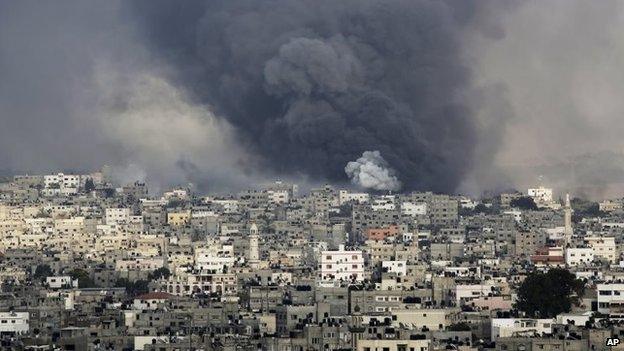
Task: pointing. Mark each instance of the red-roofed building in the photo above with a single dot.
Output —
(549, 256)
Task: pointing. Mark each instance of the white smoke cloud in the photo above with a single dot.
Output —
(165, 138)
(371, 171)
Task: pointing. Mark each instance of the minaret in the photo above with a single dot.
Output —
(254, 252)
(567, 217)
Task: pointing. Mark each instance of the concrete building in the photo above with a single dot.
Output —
(345, 265)
(509, 327)
(14, 322)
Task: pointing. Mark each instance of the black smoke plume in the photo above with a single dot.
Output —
(309, 85)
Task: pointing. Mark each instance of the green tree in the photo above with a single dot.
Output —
(545, 295)
(162, 272)
(84, 281)
(43, 271)
(133, 288)
(524, 203)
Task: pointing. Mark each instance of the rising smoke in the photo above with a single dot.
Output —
(310, 85)
(453, 94)
(79, 91)
(371, 171)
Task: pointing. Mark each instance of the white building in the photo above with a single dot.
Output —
(609, 206)
(14, 322)
(345, 196)
(228, 206)
(176, 194)
(603, 247)
(414, 209)
(517, 215)
(392, 345)
(341, 265)
(141, 341)
(433, 319)
(213, 259)
(464, 271)
(577, 318)
(611, 298)
(188, 284)
(63, 281)
(541, 195)
(150, 301)
(398, 267)
(467, 292)
(383, 203)
(117, 215)
(509, 327)
(579, 256)
(278, 197)
(466, 202)
(139, 264)
(67, 184)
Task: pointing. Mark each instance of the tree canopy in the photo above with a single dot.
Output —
(545, 295)
(84, 281)
(43, 271)
(524, 203)
(162, 272)
(133, 288)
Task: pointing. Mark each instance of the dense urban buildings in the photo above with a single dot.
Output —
(87, 264)
(311, 175)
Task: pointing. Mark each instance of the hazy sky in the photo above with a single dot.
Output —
(456, 96)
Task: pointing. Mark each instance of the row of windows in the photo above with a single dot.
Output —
(609, 292)
(329, 266)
